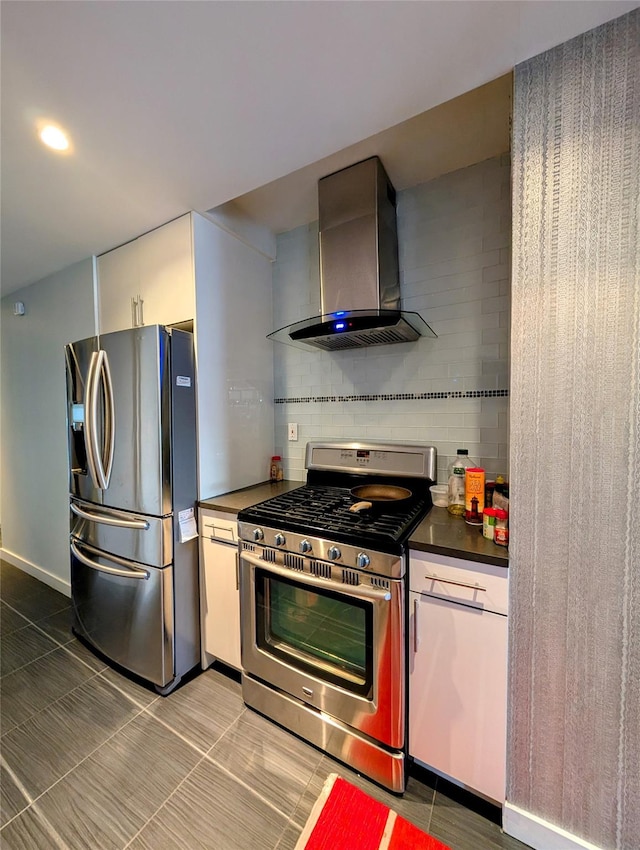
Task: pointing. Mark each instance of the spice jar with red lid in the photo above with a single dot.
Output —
(276, 472)
(501, 530)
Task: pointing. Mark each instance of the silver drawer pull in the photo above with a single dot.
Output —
(119, 521)
(457, 583)
(221, 531)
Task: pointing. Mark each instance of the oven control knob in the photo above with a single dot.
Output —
(362, 560)
(257, 534)
(334, 553)
(279, 540)
(305, 547)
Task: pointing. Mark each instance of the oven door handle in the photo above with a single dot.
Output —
(361, 592)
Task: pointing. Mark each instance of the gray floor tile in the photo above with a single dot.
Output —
(12, 800)
(30, 831)
(140, 694)
(39, 603)
(289, 837)
(276, 764)
(79, 652)
(23, 646)
(58, 626)
(10, 620)
(33, 687)
(15, 583)
(56, 739)
(462, 829)
(211, 811)
(108, 798)
(203, 708)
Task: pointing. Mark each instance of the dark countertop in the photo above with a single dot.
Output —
(444, 534)
(235, 501)
(438, 532)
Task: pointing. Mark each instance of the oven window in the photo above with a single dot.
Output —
(321, 632)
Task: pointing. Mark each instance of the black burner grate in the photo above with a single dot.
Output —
(324, 511)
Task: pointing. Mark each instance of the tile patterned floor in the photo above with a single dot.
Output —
(94, 761)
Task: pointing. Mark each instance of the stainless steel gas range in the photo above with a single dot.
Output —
(324, 602)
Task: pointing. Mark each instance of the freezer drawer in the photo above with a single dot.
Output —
(124, 610)
(139, 538)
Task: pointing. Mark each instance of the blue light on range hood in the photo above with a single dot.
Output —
(357, 329)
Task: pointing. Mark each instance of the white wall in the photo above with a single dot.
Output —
(454, 235)
(34, 480)
(234, 358)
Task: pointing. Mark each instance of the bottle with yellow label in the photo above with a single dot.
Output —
(474, 495)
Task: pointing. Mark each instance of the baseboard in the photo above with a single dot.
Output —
(37, 572)
(540, 834)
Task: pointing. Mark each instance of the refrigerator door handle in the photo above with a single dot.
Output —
(90, 412)
(101, 456)
(142, 524)
(110, 417)
(130, 571)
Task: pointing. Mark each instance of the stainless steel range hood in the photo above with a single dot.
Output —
(359, 278)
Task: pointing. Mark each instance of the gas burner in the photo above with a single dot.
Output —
(321, 507)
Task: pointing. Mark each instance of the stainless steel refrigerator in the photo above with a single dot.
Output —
(132, 480)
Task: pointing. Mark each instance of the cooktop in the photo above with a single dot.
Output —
(324, 512)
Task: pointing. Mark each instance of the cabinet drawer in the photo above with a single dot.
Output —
(478, 585)
(219, 526)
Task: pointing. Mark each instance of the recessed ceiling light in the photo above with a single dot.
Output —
(54, 137)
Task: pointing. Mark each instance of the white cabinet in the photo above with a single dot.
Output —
(195, 269)
(219, 594)
(458, 670)
(118, 281)
(149, 280)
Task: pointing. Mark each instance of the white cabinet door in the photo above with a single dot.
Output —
(157, 271)
(118, 282)
(457, 692)
(167, 284)
(219, 593)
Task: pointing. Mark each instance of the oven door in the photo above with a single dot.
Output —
(333, 644)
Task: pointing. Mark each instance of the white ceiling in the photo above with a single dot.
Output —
(469, 128)
(185, 105)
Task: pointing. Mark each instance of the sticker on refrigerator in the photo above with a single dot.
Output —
(187, 523)
(183, 381)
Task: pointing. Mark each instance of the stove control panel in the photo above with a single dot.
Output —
(391, 459)
(304, 547)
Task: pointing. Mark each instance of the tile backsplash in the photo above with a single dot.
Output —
(450, 392)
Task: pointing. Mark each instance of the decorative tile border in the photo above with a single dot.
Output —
(394, 396)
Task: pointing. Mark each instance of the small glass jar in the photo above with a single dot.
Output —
(276, 472)
(501, 531)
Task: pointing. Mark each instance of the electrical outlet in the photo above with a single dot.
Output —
(292, 431)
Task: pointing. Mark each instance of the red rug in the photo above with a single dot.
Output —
(345, 818)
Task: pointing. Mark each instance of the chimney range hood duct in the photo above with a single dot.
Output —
(359, 279)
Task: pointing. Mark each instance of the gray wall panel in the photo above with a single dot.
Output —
(574, 719)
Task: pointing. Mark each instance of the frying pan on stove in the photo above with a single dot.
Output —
(378, 496)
